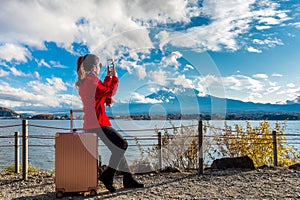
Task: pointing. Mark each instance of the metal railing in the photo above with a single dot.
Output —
(200, 136)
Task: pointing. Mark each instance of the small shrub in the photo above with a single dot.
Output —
(255, 142)
(31, 169)
(180, 146)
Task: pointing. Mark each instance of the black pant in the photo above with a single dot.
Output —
(116, 144)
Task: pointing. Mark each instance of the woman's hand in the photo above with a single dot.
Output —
(109, 101)
(112, 72)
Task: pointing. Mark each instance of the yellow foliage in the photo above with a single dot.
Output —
(180, 147)
(255, 142)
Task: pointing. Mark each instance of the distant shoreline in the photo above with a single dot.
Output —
(229, 116)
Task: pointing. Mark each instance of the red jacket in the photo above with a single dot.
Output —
(94, 93)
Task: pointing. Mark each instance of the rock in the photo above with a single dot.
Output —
(238, 162)
(295, 166)
(171, 169)
(143, 167)
(265, 167)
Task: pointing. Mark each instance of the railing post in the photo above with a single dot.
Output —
(17, 153)
(159, 143)
(275, 148)
(71, 120)
(200, 148)
(25, 149)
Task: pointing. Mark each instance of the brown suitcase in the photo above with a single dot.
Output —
(76, 163)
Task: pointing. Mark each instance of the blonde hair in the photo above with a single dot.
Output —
(85, 64)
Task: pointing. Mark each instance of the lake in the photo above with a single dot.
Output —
(41, 151)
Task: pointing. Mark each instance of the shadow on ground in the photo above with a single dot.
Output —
(101, 194)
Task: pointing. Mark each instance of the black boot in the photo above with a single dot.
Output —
(130, 182)
(107, 178)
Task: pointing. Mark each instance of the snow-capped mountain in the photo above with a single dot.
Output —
(295, 101)
(190, 101)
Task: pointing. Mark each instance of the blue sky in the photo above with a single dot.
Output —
(240, 49)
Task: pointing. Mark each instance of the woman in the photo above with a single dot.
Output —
(94, 94)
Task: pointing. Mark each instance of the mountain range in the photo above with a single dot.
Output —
(190, 101)
(184, 102)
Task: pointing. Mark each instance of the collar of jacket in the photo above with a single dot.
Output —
(92, 73)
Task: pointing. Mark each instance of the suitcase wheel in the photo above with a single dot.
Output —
(59, 194)
(93, 193)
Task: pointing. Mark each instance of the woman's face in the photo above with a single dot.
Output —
(97, 68)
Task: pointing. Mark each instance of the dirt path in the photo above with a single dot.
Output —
(229, 184)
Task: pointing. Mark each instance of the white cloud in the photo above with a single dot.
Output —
(172, 59)
(201, 88)
(277, 75)
(57, 64)
(273, 89)
(269, 21)
(134, 55)
(269, 42)
(3, 73)
(138, 98)
(290, 85)
(57, 22)
(105, 26)
(168, 11)
(17, 72)
(163, 37)
(273, 84)
(270, 13)
(37, 75)
(261, 76)
(291, 93)
(51, 87)
(241, 82)
(131, 66)
(229, 23)
(57, 83)
(296, 24)
(50, 64)
(101, 25)
(127, 26)
(253, 50)
(209, 80)
(263, 27)
(141, 72)
(127, 65)
(255, 96)
(158, 77)
(10, 52)
(18, 96)
(256, 89)
(36, 95)
(42, 63)
(181, 80)
(188, 67)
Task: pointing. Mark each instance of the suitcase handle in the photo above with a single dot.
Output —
(71, 118)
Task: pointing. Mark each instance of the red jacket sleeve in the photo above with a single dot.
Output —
(108, 79)
(108, 88)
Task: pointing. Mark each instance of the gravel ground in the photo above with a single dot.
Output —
(268, 183)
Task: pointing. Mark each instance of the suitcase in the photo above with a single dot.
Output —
(76, 163)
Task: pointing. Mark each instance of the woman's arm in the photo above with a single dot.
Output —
(111, 78)
(108, 88)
